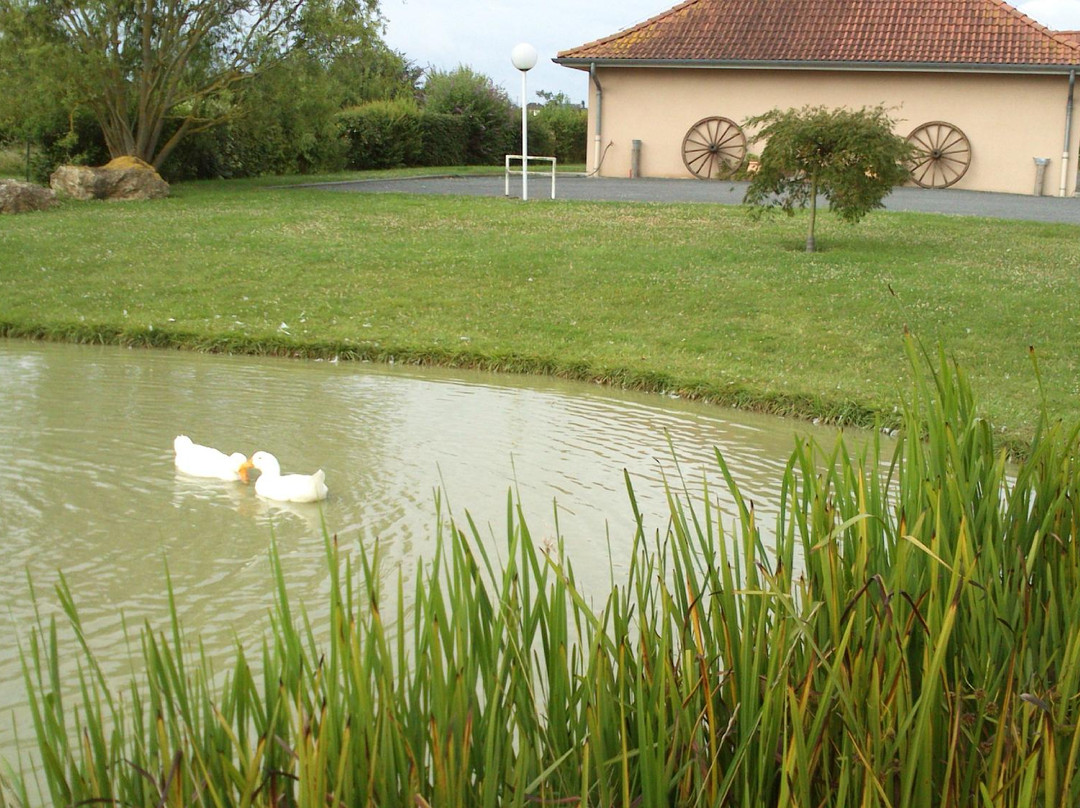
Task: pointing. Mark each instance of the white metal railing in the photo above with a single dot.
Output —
(525, 174)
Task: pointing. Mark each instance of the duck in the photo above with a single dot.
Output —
(205, 461)
(272, 484)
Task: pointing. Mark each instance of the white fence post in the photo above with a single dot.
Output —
(524, 172)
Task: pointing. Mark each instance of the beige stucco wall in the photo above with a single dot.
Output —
(1009, 119)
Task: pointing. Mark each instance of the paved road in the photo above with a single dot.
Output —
(948, 201)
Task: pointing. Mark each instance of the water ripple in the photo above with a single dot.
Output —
(88, 488)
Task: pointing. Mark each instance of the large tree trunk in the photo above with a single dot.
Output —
(137, 55)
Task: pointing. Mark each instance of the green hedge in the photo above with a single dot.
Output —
(395, 134)
(444, 138)
(569, 129)
(382, 134)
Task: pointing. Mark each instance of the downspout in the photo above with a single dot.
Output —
(1068, 136)
(600, 117)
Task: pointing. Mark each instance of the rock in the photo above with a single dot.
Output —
(79, 182)
(128, 161)
(121, 178)
(22, 197)
(135, 179)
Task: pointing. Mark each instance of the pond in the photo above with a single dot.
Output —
(88, 487)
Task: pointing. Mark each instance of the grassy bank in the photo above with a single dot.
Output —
(696, 299)
(910, 642)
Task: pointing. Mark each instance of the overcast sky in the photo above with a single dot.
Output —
(481, 33)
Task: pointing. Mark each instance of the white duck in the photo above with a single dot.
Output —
(205, 461)
(272, 484)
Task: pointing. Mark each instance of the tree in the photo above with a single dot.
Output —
(153, 72)
(567, 124)
(851, 157)
(286, 120)
(487, 110)
(27, 107)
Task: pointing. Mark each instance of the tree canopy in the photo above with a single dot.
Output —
(487, 109)
(851, 157)
(152, 72)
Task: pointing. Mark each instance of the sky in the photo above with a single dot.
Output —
(481, 33)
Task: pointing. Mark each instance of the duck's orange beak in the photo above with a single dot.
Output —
(245, 467)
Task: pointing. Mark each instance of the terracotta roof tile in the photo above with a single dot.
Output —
(938, 32)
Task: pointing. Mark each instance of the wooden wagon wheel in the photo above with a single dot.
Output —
(942, 154)
(714, 148)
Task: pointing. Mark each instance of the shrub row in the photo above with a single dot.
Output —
(566, 127)
(396, 134)
(380, 134)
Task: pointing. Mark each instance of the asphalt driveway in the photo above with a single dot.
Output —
(947, 201)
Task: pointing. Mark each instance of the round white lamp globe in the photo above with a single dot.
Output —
(523, 56)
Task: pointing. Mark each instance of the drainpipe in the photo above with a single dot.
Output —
(600, 118)
(1068, 136)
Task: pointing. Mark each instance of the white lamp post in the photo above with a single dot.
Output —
(524, 58)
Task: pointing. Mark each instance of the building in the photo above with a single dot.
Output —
(983, 91)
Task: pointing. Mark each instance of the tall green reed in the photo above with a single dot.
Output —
(907, 638)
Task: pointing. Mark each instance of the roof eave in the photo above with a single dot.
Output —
(584, 63)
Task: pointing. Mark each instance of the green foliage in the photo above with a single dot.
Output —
(565, 126)
(136, 65)
(465, 120)
(382, 134)
(541, 138)
(492, 124)
(909, 636)
(851, 157)
(444, 139)
(35, 96)
(39, 103)
(254, 86)
(339, 41)
(285, 123)
(77, 142)
(12, 160)
(231, 151)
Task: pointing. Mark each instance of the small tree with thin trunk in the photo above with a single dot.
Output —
(850, 157)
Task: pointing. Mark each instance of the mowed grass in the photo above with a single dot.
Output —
(689, 298)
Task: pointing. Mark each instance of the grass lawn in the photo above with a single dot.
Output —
(698, 299)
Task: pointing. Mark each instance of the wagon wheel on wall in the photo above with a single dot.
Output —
(714, 148)
(942, 154)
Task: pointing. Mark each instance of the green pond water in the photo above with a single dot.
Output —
(88, 487)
